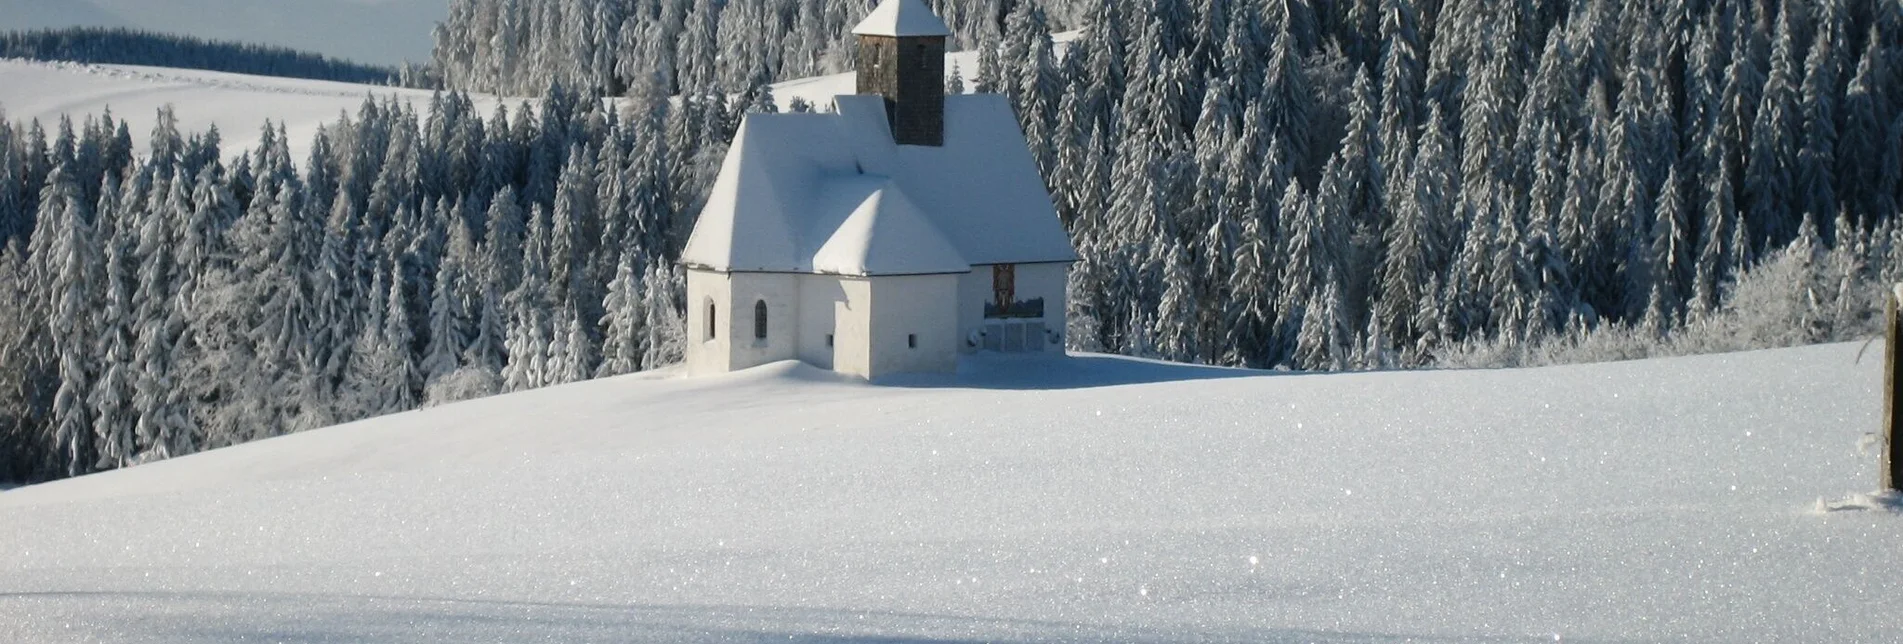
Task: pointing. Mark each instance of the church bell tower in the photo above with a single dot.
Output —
(902, 58)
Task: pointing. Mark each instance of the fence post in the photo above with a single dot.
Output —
(1890, 465)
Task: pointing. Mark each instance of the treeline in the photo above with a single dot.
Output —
(1287, 182)
(669, 47)
(131, 47)
(1361, 184)
(165, 304)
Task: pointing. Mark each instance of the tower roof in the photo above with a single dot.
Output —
(901, 18)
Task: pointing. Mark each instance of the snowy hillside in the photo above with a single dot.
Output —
(239, 104)
(373, 31)
(1098, 499)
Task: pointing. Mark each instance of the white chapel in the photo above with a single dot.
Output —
(899, 232)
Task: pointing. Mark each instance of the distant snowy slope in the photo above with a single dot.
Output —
(372, 31)
(238, 104)
(1098, 499)
(43, 14)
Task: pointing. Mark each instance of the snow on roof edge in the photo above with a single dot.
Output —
(901, 18)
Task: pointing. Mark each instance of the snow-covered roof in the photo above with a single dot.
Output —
(883, 234)
(901, 18)
(832, 193)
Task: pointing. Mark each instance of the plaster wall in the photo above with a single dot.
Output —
(914, 324)
(729, 343)
(1049, 281)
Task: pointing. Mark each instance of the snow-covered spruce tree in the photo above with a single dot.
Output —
(13, 220)
(163, 426)
(1322, 343)
(1865, 172)
(1769, 207)
(111, 398)
(1670, 255)
(1349, 199)
(1176, 313)
(665, 340)
(69, 263)
(447, 337)
(621, 343)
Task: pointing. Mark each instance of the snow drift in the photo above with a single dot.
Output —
(1089, 499)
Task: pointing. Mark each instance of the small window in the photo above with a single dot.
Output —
(759, 320)
(911, 340)
(829, 339)
(711, 316)
(921, 56)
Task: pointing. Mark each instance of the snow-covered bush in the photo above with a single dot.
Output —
(468, 383)
(1800, 294)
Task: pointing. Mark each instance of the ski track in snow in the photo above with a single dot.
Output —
(1091, 499)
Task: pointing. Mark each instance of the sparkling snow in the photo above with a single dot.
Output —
(1083, 500)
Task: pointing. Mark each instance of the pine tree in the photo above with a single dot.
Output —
(1405, 268)
(954, 82)
(1308, 251)
(1715, 257)
(1671, 256)
(486, 348)
(574, 349)
(1321, 345)
(990, 78)
(666, 337)
(70, 265)
(1770, 207)
(528, 353)
(1865, 131)
(163, 426)
(447, 339)
(111, 397)
(621, 343)
(1815, 189)
(1252, 304)
(1176, 314)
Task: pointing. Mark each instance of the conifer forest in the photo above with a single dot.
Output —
(1300, 184)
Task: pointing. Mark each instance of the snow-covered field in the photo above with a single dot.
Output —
(239, 104)
(1085, 500)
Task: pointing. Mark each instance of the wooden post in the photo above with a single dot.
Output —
(1890, 464)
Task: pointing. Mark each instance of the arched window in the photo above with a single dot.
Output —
(710, 320)
(759, 320)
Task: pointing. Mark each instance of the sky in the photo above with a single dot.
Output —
(385, 32)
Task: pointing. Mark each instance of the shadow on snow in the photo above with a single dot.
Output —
(1072, 371)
